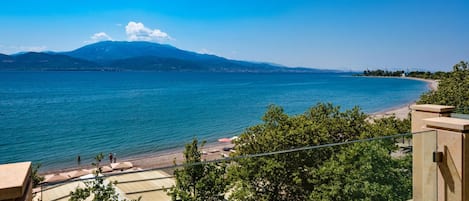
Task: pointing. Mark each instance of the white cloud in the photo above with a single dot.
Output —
(100, 36)
(136, 31)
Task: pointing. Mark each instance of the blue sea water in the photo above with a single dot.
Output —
(51, 117)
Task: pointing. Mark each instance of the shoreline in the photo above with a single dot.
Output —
(402, 111)
(158, 159)
(214, 150)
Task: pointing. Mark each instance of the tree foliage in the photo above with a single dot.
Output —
(417, 74)
(452, 90)
(289, 176)
(198, 182)
(380, 72)
(428, 75)
(35, 177)
(363, 171)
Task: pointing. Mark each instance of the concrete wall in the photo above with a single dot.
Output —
(15, 182)
(424, 180)
(450, 179)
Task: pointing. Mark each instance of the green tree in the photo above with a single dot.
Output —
(200, 181)
(288, 176)
(452, 90)
(363, 171)
(285, 176)
(96, 188)
(380, 72)
(36, 178)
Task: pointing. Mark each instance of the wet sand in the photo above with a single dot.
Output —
(211, 152)
(160, 159)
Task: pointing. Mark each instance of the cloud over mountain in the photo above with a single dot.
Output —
(137, 31)
(97, 37)
(100, 36)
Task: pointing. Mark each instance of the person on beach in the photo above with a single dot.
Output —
(115, 157)
(110, 157)
(78, 159)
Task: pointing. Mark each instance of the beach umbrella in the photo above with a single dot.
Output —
(78, 173)
(121, 166)
(89, 176)
(106, 169)
(224, 140)
(56, 178)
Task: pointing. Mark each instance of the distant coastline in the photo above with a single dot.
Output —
(432, 84)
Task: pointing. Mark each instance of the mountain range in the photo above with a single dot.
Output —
(134, 56)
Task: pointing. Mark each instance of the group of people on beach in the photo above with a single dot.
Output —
(112, 158)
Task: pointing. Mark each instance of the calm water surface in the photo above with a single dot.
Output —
(51, 117)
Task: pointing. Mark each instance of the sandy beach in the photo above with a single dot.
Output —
(215, 150)
(211, 152)
(159, 159)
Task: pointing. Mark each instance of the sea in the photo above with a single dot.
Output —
(53, 117)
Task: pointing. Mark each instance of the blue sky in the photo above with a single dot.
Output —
(339, 34)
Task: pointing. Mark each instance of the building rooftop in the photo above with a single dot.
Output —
(13, 177)
(433, 108)
(449, 123)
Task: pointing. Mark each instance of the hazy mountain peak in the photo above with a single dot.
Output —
(112, 50)
(136, 56)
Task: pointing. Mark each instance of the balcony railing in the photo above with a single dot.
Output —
(460, 116)
(380, 168)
